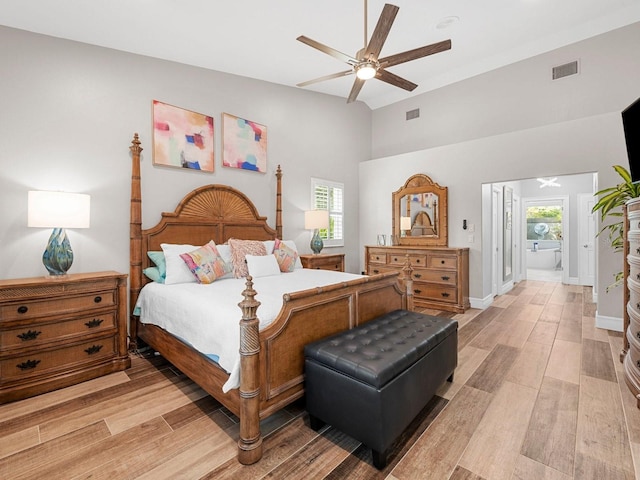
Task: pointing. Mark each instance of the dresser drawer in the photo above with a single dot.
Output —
(400, 259)
(634, 244)
(442, 261)
(379, 257)
(440, 293)
(444, 277)
(376, 269)
(56, 306)
(64, 358)
(39, 334)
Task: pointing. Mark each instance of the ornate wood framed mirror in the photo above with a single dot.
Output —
(420, 213)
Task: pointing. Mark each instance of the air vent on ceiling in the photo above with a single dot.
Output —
(411, 114)
(565, 70)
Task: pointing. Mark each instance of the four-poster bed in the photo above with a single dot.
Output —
(271, 359)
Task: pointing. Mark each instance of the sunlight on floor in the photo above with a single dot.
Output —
(544, 275)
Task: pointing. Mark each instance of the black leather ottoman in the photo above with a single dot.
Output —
(371, 382)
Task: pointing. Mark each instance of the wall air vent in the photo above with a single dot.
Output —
(411, 114)
(565, 70)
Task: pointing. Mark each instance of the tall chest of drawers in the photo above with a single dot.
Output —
(631, 348)
(440, 274)
(59, 332)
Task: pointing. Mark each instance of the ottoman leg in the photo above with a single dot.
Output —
(315, 423)
(379, 459)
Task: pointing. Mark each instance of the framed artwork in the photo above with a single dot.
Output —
(244, 144)
(182, 138)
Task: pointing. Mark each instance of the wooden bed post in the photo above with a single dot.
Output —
(135, 239)
(250, 442)
(279, 203)
(407, 277)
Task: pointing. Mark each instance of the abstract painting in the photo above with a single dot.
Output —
(244, 144)
(182, 138)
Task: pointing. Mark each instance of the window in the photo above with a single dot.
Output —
(327, 195)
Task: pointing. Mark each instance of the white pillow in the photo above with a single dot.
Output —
(262, 265)
(177, 270)
(292, 245)
(268, 246)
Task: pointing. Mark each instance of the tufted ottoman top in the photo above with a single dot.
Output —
(379, 350)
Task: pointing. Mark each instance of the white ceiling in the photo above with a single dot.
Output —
(257, 38)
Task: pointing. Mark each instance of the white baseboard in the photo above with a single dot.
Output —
(481, 303)
(610, 323)
(573, 281)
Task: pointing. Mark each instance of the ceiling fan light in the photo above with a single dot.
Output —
(365, 71)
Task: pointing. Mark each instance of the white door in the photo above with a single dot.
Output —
(586, 239)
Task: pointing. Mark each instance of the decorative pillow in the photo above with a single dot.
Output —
(285, 256)
(292, 245)
(239, 250)
(158, 259)
(205, 263)
(225, 252)
(153, 273)
(268, 246)
(262, 265)
(177, 270)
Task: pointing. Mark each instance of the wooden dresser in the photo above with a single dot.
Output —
(631, 347)
(333, 261)
(440, 274)
(58, 332)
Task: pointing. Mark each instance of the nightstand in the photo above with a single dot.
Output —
(56, 332)
(333, 261)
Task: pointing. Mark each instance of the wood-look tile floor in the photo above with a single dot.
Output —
(538, 394)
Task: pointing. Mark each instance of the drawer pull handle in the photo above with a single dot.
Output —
(638, 250)
(377, 258)
(638, 334)
(417, 260)
(445, 278)
(637, 306)
(28, 365)
(29, 335)
(442, 262)
(23, 309)
(445, 294)
(97, 299)
(417, 291)
(376, 271)
(638, 363)
(93, 349)
(638, 276)
(94, 323)
(417, 275)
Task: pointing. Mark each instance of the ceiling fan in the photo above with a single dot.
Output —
(366, 64)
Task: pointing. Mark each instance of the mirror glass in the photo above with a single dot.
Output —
(420, 212)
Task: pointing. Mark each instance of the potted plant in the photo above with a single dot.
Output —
(610, 204)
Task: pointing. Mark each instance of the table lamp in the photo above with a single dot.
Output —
(405, 224)
(316, 220)
(58, 210)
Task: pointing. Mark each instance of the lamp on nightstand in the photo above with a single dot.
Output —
(405, 224)
(58, 210)
(316, 220)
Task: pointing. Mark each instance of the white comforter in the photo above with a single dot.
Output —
(207, 316)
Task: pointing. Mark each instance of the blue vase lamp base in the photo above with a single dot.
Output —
(58, 256)
(316, 242)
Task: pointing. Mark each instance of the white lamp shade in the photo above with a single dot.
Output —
(316, 219)
(58, 210)
(405, 223)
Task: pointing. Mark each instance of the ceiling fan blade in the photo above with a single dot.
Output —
(328, 50)
(355, 90)
(395, 80)
(381, 31)
(326, 77)
(415, 54)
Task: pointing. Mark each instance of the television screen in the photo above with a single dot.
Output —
(631, 124)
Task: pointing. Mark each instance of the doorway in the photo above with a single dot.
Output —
(546, 238)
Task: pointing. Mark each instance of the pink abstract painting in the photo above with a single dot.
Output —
(244, 144)
(182, 138)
